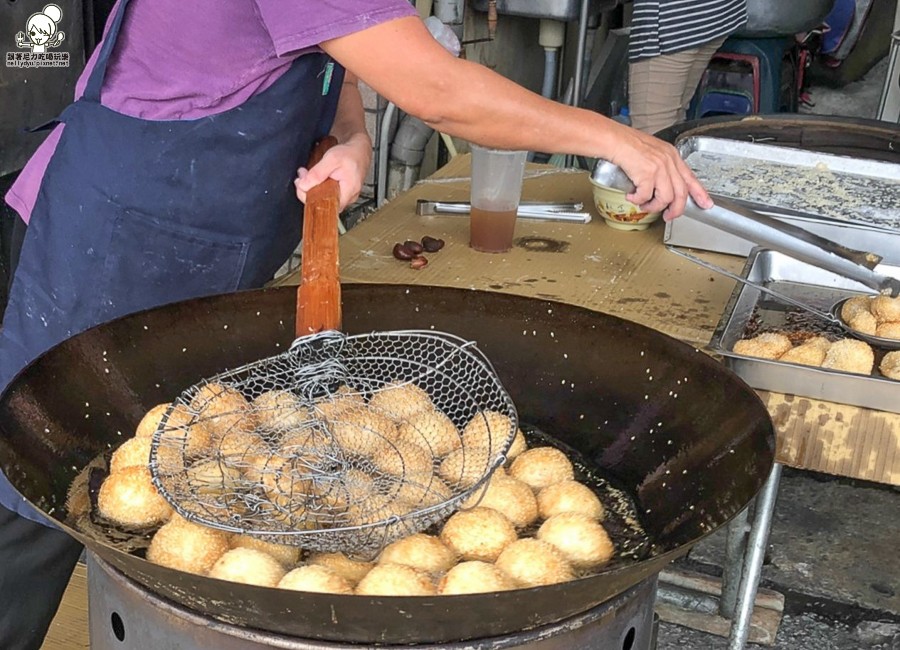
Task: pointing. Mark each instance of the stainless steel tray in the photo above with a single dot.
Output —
(820, 289)
(855, 202)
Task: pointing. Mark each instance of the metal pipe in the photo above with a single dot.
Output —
(579, 55)
(735, 547)
(550, 61)
(384, 139)
(759, 538)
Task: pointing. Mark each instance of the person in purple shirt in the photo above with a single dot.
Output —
(180, 169)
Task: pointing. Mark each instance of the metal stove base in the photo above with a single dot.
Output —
(125, 616)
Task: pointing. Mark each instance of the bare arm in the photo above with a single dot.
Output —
(401, 61)
(348, 162)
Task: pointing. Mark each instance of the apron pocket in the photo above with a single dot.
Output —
(151, 263)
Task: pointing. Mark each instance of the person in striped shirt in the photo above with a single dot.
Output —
(671, 43)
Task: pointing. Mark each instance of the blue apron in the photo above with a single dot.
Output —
(133, 214)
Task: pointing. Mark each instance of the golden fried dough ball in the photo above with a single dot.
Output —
(351, 570)
(819, 342)
(222, 408)
(363, 431)
(396, 580)
(342, 400)
(765, 346)
(580, 539)
(132, 453)
(534, 563)
(402, 459)
(400, 400)
(518, 446)
(464, 467)
(806, 355)
(238, 444)
(129, 497)
(854, 307)
(213, 477)
(287, 555)
(489, 430)
(150, 422)
(890, 365)
(474, 578)
(888, 331)
(353, 486)
(423, 491)
(542, 466)
(850, 355)
(248, 566)
(886, 309)
(478, 534)
(431, 430)
(863, 322)
(509, 496)
(421, 551)
(318, 579)
(187, 547)
(279, 410)
(569, 496)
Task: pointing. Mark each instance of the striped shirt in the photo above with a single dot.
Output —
(669, 26)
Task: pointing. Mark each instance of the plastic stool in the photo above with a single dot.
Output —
(769, 54)
(724, 103)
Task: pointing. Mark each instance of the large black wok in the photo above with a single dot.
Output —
(689, 441)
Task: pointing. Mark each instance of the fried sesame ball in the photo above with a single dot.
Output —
(279, 410)
(765, 346)
(129, 497)
(363, 431)
(474, 578)
(403, 458)
(580, 539)
(510, 497)
(890, 365)
(806, 355)
(222, 408)
(287, 555)
(850, 355)
(422, 491)
(488, 429)
(213, 477)
(888, 331)
(819, 342)
(318, 579)
(569, 496)
(854, 307)
(534, 563)
(518, 446)
(464, 467)
(351, 570)
(421, 551)
(431, 430)
(150, 422)
(863, 322)
(237, 444)
(542, 466)
(248, 566)
(396, 580)
(478, 534)
(187, 546)
(400, 400)
(133, 453)
(886, 309)
(342, 400)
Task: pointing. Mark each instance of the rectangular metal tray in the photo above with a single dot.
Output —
(820, 289)
(850, 200)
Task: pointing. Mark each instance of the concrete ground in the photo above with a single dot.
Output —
(834, 551)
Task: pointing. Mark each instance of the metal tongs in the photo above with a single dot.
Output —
(566, 212)
(770, 233)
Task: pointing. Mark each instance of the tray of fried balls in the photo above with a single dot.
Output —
(532, 524)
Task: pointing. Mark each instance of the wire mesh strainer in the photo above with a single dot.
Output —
(343, 443)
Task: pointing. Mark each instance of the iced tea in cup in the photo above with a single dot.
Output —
(496, 189)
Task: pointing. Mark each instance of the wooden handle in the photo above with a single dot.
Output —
(319, 294)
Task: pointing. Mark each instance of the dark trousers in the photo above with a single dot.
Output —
(35, 565)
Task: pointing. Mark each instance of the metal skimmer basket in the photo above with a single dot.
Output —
(343, 443)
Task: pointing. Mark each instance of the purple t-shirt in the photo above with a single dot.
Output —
(177, 60)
